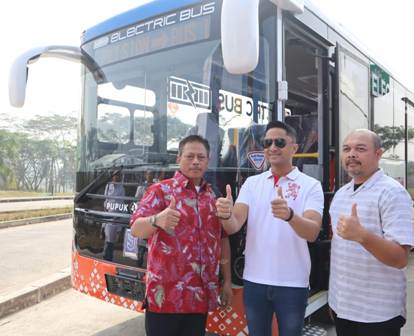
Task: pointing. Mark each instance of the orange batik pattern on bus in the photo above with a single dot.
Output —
(88, 277)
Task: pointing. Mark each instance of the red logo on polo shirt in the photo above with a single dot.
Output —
(292, 190)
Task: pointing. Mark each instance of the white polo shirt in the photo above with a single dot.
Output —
(361, 288)
(275, 254)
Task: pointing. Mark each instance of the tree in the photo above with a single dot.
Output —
(9, 149)
(114, 127)
(65, 178)
(39, 154)
(61, 129)
(176, 128)
(391, 136)
(33, 166)
(58, 134)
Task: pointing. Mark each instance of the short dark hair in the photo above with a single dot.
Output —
(290, 131)
(193, 138)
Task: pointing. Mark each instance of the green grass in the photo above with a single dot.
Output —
(19, 193)
(8, 216)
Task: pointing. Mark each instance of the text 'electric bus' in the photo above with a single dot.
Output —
(221, 69)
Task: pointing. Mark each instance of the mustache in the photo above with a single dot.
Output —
(350, 161)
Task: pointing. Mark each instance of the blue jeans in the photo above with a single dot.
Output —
(288, 303)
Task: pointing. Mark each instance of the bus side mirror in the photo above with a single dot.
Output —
(240, 32)
(19, 70)
(240, 35)
(18, 77)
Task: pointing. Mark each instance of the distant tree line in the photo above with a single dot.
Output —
(391, 136)
(39, 154)
(115, 127)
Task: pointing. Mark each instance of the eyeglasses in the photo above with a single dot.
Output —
(278, 142)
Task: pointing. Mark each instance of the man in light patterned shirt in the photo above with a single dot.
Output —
(372, 225)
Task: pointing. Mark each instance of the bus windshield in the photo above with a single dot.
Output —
(154, 90)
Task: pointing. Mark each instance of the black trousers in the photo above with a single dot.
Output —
(160, 324)
(351, 328)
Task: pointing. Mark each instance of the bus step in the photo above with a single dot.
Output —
(312, 330)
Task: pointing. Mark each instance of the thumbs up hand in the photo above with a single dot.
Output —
(349, 227)
(280, 193)
(228, 193)
(224, 205)
(168, 218)
(279, 205)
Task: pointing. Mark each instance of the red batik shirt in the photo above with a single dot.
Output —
(182, 272)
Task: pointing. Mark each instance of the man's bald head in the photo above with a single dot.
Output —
(376, 140)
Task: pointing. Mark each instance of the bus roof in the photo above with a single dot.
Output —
(132, 16)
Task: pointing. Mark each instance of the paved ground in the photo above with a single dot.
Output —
(73, 314)
(18, 206)
(32, 252)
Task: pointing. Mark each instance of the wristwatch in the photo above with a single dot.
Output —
(153, 222)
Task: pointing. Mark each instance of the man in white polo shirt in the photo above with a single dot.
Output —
(372, 224)
(283, 208)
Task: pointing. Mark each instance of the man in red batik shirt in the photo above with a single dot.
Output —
(178, 217)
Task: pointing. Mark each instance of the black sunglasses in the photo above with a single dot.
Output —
(278, 142)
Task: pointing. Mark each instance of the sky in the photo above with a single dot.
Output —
(383, 27)
(53, 84)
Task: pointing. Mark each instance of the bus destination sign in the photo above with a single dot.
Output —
(175, 29)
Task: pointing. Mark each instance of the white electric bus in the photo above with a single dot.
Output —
(221, 69)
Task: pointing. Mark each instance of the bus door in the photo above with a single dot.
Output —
(352, 101)
(307, 110)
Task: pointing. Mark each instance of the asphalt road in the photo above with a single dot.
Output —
(73, 314)
(32, 252)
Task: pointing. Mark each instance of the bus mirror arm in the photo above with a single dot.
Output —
(19, 70)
